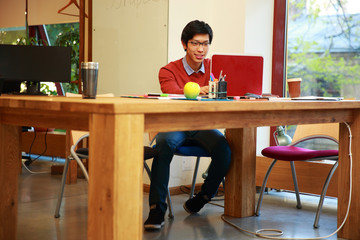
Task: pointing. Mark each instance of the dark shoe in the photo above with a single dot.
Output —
(155, 220)
(196, 203)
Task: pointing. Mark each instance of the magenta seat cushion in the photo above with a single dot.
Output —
(291, 153)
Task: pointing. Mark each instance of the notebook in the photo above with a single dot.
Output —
(244, 73)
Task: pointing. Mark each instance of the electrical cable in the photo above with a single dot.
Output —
(272, 233)
(28, 162)
(23, 164)
(41, 154)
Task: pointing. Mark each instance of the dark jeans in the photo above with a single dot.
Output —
(167, 143)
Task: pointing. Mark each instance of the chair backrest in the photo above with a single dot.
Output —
(325, 129)
(75, 135)
(152, 137)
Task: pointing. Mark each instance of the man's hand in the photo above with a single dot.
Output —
(204, 90)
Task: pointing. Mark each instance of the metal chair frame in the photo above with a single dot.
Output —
(74, 155)
(325, 186)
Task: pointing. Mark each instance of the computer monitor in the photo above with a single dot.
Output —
(244, 73)
(33, 64)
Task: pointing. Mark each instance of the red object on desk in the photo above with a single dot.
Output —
(244, 73)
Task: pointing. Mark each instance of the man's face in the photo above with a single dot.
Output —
(197, 48)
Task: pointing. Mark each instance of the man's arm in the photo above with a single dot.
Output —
(168, 82)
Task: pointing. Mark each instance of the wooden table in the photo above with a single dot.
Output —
(117, 126)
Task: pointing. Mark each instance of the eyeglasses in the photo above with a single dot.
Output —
(198, 44)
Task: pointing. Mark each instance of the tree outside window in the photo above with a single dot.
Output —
(324, 46)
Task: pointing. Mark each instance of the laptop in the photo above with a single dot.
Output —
(244, 73)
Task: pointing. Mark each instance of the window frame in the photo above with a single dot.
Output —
(279, 53)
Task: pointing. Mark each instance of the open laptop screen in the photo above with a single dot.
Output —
(244, 73)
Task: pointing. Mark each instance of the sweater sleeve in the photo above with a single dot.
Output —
(168, 82)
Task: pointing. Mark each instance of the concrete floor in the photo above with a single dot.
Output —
(38, 197)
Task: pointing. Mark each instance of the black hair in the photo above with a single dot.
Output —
(196, 27)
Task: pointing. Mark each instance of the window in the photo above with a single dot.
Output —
(323, 46)
(11, 35)
(66, 34)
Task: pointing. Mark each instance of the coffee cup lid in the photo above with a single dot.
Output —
(294, 80)
(89, 65)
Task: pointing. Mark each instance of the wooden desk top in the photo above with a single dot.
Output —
(131, 106)
(195, 114)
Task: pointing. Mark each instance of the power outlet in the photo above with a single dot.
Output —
(187, 165)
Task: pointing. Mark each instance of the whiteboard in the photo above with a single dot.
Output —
(130, 44)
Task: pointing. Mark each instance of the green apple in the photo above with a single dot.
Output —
(191, 90)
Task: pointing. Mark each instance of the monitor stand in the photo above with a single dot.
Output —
(33, 88)
(13, 88)
(8, 87)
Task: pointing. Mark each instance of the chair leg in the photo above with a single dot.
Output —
(168, 197)
(298, 205)
(223, 183)
(323, 194)
(61, 191)
(194, 178)
(147, 170)
(80, 164)
(257, 212)
(171, 211)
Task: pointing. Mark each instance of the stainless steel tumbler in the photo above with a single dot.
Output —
(89, 76)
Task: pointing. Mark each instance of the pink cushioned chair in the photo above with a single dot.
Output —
(292, 153)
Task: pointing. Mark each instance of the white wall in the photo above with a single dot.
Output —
(258, 40)
(130, 44)
(12, 13)
(226, 18)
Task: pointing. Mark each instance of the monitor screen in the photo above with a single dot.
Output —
(34, 63)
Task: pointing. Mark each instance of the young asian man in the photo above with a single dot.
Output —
(194, 67)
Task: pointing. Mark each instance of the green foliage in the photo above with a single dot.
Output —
(45, 88)
(30, 41)
(68, 35)
(11, 35)
(324, 73)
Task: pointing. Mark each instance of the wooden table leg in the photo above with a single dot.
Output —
(10, 158)
(115, 177)
(240, 180)
(351, 228)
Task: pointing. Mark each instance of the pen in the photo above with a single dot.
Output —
(156, 95)
(223, 79)
(212, 76)
(220, 76)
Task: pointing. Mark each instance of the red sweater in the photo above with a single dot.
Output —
(173, 77)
